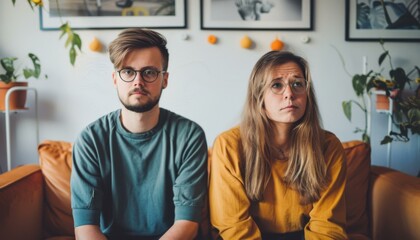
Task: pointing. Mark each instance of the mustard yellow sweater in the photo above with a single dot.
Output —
(236, 217)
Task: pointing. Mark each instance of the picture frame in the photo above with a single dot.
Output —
(268, 15)
(106, 14)
(369, 22)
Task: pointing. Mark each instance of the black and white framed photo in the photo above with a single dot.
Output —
(113, 14)
(257, 14)
(372, 20)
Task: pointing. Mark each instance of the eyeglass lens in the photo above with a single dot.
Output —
(148, 74)
(297, 85)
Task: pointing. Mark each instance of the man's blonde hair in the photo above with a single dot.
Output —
(137, 38)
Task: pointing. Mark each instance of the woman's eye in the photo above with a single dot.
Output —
(299, 83)
(277, 85)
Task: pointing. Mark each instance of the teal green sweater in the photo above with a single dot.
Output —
(138, 184)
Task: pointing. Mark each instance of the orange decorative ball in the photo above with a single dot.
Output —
(277, 45)
(95, 45)
(212, 39)
(38, 2)
(246, 42)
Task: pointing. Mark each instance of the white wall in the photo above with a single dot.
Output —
(207, 82)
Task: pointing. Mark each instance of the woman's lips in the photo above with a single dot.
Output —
(289, 107)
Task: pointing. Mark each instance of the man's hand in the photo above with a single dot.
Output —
(182, 230)
(89, 232)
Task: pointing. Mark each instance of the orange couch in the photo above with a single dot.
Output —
(35, 199)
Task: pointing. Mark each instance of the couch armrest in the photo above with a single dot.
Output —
(21, 203)
(394, 204)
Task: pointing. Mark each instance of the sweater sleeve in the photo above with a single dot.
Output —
(229, 204)
(191, 182)
(86, 187)
(328, 216)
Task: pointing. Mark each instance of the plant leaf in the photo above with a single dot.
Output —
(400, 77)
(347, 109)
(64, 29)
(37, 64)
(404, 131)
(382, 57)
(366, 138)
(413, 115)
(77, 41)
(6, 79)
(7, 64)
(387, 139)
(359, 83)
(73, 55)
(69, 40)
(371, 83)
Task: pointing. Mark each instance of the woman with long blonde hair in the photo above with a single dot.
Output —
(278, 175)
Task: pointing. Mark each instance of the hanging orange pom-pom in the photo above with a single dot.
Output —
(95, 45)
(277, 45)
(246, 42)
(212, 39)
(38, 2)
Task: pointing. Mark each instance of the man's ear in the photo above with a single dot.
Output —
(114, 78)
(165, 80)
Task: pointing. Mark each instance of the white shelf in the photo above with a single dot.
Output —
(389, 113)
(7, 113)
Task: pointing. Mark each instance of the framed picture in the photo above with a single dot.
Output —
(370, 20)
(112, 14)
(256, 14)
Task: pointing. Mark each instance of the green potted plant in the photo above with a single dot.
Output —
(405, 114)
(10, 76)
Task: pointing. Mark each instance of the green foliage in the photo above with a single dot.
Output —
(347, 109)
(73, 40)
(28, 72)
(11, 72)
(407, 113)
(7, 64)
(361, 83)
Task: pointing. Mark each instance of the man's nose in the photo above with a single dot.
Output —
(138, 80)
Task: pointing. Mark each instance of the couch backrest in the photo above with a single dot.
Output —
(55, 160)
(358, 171)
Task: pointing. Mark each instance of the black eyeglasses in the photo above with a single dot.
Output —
(148, 75)
(298, 86)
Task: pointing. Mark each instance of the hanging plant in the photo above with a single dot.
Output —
(73, 41)
(406, 115)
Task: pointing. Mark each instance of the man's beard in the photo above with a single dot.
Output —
(141, 108)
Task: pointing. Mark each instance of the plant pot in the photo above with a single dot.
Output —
(382, 102)
(17, 99)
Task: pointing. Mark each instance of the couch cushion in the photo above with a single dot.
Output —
(56, 161)
(394, 204)
(358, 170)
(21, 196)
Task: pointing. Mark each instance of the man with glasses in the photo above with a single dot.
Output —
(139, 172)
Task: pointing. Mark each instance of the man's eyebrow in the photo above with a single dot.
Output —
(145, 67)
